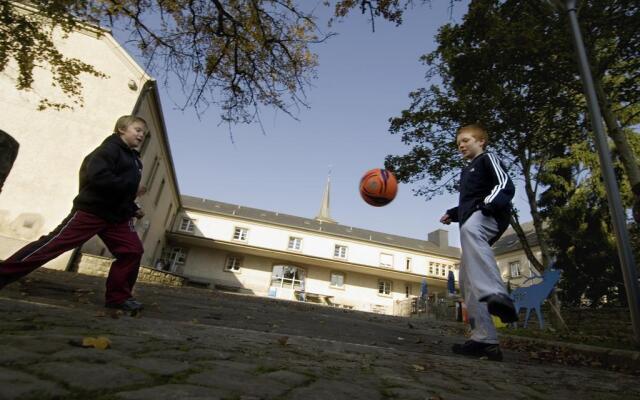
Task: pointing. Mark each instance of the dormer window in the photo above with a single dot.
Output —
(187, 225)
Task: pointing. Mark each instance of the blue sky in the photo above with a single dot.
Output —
(364, 78)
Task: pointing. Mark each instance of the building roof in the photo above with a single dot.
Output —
(509, 241)
(347, 232)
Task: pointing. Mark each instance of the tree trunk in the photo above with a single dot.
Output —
(545, 251)
(8, 153)
(515, 224)
(616, 133)
(537, 224)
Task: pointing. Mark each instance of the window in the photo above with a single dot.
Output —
(430, 267)
(145, 143)
(160, 188)
(437, 269)
(444, 271)
(514, 268)
(166, 217)
(187, 225)
(152, 175)
(384, 287)
(337, 280)
(173, 256)
(295, 243)
(407, 264)
(232, 264)
(340, 251)
(240, 233)
(386, 260)
(146, 225)
(287, 276)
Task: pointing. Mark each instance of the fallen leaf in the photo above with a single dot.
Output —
(283, 340)
(100, 342)
(101, 314)
(417, 367)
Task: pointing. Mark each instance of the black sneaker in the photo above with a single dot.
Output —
(129, 305)
(471, 348)
(501, 306)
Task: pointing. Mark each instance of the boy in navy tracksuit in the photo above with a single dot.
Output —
(483, 214)
(105, 205)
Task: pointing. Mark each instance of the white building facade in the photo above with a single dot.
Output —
(272, 254)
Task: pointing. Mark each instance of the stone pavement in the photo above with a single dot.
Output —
(200, 344)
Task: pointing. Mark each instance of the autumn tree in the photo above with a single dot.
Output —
(500, 67)
(574, 204)
(237, 55)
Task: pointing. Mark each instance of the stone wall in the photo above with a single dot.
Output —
(99, 266)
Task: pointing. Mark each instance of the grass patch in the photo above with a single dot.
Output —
(614, 339)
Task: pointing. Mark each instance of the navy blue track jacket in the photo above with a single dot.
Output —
(486, 186)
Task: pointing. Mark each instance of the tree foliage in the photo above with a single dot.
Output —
(579, 227)
(510, 66)
(237, 55)
(27, 39)
(503, 66)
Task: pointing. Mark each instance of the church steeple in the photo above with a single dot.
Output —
(325, 215)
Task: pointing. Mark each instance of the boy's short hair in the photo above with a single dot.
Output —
(477, 131)
(126, 120)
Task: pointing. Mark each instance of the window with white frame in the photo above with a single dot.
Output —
(408, 263)
(514, 268)
(384, 287)
(386, 260)
(437, 269)
(287, 276)
(337, 280)
(295, 243)
(173, 256)
(240, 233)
(187, 225)
(340, 251)
(444, 271)
(430, 267)
(232, 263)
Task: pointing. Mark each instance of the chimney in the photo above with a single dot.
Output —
(440, 237)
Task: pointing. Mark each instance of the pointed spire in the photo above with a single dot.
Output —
(325, 215)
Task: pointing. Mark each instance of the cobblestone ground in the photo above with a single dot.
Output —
(199, 344)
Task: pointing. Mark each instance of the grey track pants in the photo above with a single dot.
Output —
(479, 274)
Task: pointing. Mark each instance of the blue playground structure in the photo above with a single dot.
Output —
(534, 295)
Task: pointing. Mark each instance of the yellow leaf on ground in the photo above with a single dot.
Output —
(100, 342)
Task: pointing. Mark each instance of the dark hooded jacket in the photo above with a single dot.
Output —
(485, 186)
(109, 180)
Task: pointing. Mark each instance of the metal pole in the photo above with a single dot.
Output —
(618, 218)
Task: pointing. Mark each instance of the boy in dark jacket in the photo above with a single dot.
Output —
(483, 214)
(105, 206)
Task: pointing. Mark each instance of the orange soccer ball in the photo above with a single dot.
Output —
(378, 187)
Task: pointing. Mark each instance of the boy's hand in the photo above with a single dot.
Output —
(446, 219)
(141, 190)
(139, 213)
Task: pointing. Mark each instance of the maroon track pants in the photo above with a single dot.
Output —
(120, 238)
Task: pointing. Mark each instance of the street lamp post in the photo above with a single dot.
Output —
(618, 218)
